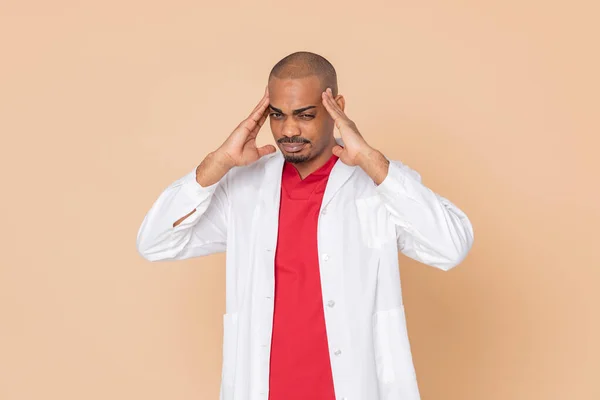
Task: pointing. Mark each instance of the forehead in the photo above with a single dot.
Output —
(295, 93)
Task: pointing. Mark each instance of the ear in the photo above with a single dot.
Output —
(341, 102)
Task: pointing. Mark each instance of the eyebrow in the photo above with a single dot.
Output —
(298, 111)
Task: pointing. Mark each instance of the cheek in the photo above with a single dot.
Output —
(319, 130)
(327, 125)
(275, 129)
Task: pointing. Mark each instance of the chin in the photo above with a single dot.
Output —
(295, 158)
(298, 157)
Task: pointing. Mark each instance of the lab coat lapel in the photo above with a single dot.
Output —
(270, 200)
(271, 186)
(340, 173)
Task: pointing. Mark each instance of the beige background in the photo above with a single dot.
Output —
(103, 104)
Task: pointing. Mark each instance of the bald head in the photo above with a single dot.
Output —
(303, 64)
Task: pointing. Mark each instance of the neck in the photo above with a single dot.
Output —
(308, 167)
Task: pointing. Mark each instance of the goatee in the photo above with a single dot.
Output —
(296, 159)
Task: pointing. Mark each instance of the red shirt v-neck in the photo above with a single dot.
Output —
(299, 367)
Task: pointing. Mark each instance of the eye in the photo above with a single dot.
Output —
(274, 114)
(308, 116)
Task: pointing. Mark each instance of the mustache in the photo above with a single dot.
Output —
(293, 139)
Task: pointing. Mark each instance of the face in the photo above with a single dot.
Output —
(301, 125)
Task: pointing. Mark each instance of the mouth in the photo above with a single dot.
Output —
(293, 147)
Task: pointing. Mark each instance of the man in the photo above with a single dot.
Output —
(313, 299)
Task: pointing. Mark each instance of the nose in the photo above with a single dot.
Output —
(290, 128)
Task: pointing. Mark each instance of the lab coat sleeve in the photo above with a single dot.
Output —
(429, 228)
(202, 233)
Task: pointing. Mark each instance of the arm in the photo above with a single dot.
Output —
(190, 217)
(429, 228)
(170, 231)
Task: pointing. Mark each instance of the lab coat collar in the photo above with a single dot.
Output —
(339, 175)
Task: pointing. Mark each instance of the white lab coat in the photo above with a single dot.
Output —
(361, 228)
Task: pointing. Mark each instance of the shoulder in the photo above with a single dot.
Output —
(397, 170)
(254, 173)
(397, 166)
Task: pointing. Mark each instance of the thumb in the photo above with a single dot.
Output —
(268, 149)
(337, 150)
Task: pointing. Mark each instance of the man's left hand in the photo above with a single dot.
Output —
(355, 147)
(355, 151)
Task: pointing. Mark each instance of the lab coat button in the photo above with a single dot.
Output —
(331, 303)
(325, 257)
(337, 352)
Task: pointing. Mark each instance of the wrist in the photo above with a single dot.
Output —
(365, 156)
(222, 160)
(212, 169)
(374, 163)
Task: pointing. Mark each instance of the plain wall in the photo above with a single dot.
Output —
(104, 104)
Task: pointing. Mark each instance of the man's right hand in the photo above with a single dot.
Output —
(239, 149)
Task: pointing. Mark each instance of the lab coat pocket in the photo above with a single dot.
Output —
(376, 229)
(393, 358)
(230, 334)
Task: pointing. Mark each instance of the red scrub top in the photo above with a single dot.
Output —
(299, 367)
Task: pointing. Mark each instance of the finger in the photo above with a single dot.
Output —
(263, 118)
(331, 109)
(337, 150)
(260, 123)
(251, 122)
(268, 149)
(331, 102)
(261, 103)
(334, 103)
(256, 126)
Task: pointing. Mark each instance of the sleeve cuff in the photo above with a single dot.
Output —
(193, 189)
(400, 180)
